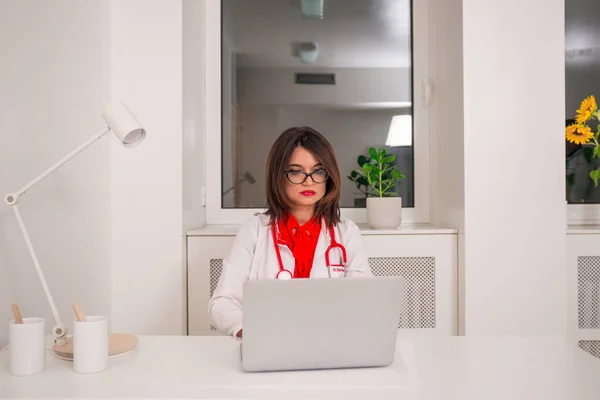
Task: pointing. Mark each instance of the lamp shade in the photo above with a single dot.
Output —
(400, 132)
(124, 124)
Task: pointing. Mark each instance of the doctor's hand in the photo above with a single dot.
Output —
(239, 334)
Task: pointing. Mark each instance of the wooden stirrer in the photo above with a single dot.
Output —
(17, 314)
(79, 315)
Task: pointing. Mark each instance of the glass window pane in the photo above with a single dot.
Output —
(342, 67)
(582, 56)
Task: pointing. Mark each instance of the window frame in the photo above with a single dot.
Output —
(216, 215)
(583, 214)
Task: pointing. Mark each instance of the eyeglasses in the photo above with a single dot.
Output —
(297, 177)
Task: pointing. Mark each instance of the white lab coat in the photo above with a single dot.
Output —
(253, 256)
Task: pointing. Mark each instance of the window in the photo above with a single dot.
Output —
(582, 63)
(352, 69)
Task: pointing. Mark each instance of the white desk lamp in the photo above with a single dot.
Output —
(129, 132)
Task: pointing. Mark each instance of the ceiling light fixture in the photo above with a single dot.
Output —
(312, 9)
(308, 53)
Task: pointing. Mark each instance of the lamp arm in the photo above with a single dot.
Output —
(234, 186)
(60, 329)
(13, 198)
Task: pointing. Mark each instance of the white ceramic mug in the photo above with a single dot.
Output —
(27, 347)
(90, 345)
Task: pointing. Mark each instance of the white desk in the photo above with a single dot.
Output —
(426, 368)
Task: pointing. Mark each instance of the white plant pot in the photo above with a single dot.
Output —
(384, 212)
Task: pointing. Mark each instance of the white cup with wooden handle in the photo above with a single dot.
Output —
(26, 344)
(90, 343)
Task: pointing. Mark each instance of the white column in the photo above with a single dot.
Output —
(146, 181)
(446, 125)
(514, 96)
(500, 180)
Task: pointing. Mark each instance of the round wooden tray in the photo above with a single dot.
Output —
(119, 344)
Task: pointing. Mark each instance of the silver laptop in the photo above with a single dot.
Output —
(319, 323)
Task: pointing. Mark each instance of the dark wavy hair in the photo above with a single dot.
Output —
(278, 160)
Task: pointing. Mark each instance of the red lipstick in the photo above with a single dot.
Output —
(308, 193)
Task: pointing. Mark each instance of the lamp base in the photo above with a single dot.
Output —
(119, 344)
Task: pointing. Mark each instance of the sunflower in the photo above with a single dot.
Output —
(578, 134)
(587, 110)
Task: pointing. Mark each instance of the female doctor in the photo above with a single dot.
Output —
(301, 234)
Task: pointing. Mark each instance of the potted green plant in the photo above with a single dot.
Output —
(361, 182)
(384, 206)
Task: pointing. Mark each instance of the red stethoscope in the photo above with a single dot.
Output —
(286, 274)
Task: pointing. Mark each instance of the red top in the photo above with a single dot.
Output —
(302, 241)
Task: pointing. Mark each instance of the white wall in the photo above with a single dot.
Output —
(276, 86)
(193, 113)
(108, 226)
(147, 205)
(53, 84)
(121, 221)
(514, 102)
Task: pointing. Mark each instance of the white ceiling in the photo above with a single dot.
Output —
(352, 34)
